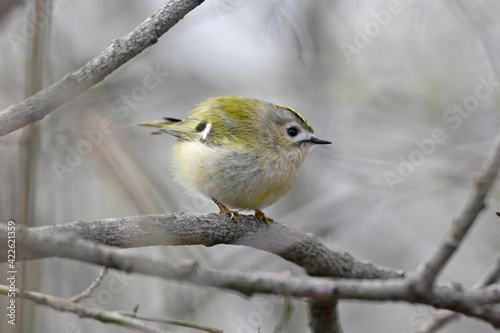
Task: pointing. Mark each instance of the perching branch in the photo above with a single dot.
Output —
(473, 302)
(118, 53)
(305, 250)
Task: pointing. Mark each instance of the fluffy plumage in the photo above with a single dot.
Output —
(238, 151)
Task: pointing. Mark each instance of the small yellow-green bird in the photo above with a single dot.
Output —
(240, 152)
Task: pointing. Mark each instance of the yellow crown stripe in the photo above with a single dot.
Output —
(298, 115)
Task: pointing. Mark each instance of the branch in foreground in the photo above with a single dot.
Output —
(474, 302)
(119, 52)
(306, 251)
(426, 273)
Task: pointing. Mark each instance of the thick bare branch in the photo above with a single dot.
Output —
(307, 251)
(119, 52)
(474, 302)
(304, 250)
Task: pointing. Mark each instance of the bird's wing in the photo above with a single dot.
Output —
(190, 129)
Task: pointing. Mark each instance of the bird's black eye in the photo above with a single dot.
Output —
(292, 131)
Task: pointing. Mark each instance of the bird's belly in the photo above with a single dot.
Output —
(238, 180)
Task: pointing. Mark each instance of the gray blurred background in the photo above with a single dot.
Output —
(406, 91)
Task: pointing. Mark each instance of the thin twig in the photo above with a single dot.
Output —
(64, 305)
(118, 53)
(172, 322)
(492, 275)
(482, 28)
(426, 273)
(285, 316)
(95, 284)
(441, 318)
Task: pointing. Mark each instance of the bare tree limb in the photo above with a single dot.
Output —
(474, 302)
(426, 273)
(119, 52)
(307, 251)
(61, 304)
(304, 250)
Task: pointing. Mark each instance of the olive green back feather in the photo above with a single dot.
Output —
(226, 120)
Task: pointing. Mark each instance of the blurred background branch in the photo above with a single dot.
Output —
(7, 6)
(426, 273)
(491, 276)
(118, 53)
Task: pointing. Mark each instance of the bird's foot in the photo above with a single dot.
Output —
(234, 215)
(261, 216)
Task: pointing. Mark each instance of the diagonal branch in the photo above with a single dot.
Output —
(122, 318)
(95, 284)
(172, 322)
(64, 305)
(426, 273)
(118, 53)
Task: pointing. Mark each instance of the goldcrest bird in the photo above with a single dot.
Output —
(240, 152)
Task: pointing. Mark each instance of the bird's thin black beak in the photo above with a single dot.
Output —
(317, 141)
